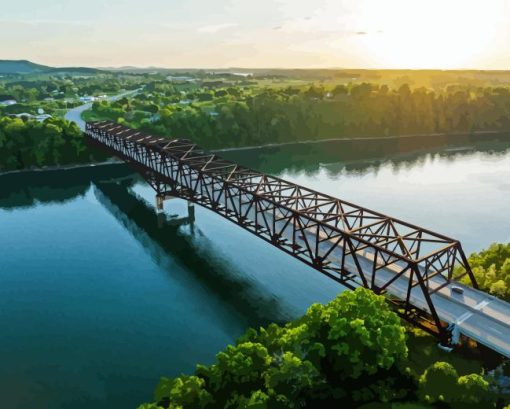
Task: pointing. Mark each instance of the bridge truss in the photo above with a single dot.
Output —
(352, 245)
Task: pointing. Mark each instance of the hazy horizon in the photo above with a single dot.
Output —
(341, 34)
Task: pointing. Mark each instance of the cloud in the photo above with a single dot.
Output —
(46, 22)
(216, 28)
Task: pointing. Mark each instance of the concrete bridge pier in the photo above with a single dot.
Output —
(174, 220)
(191, 212)
(160, 200)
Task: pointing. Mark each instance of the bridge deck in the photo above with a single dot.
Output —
(353, 245)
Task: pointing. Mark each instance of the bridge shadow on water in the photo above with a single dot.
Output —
(184, 243)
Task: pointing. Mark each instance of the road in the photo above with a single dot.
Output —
(74, 114)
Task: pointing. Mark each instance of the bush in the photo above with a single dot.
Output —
(473, 389)
(441, 383)
(438, 383)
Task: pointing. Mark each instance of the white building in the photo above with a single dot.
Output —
(87, 99)
(42, 117)
(39, 117)
(8, 102)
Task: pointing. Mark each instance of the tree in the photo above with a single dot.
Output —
(362, 335)
(491, 268)
(238, 369)
(291, 378)
(438, 383)
(473, 390)
(183, 392)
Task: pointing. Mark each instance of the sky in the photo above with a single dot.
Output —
(445, 34)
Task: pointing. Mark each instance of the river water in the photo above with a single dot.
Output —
(100, 295)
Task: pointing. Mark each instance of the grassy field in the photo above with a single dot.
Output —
(90, 115)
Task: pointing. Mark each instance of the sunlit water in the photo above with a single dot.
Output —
(99, 298)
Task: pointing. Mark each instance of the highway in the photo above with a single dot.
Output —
(74, 114)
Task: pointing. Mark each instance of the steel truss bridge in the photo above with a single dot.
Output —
(414, 267)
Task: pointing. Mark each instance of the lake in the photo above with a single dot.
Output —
(100, 295)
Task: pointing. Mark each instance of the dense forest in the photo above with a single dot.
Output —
(344, 354)
(27, 144)
(240, 117)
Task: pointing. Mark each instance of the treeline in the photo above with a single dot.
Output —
(294, 114)
(28, 144)
(344, 354)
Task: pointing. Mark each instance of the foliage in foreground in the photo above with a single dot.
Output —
(349, 352)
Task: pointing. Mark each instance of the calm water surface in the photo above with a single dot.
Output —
(100, 296)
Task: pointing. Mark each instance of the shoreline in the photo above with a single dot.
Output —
(362, 138)
(63, 167)
(258, 147)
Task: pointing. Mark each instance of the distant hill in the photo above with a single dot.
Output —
(21, 67)
(28, 67)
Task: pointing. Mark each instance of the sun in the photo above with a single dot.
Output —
(441, 34)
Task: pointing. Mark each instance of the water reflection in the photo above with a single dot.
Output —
(356, 157)
(359, 157)
(28, 189)
(162, 238)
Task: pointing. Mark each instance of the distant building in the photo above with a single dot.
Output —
(243, 74)
(87, 99)
(180, 78)
(39, 117)
(42, 117)
(8, 102)
(22, 115)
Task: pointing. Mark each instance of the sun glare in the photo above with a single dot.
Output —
(433, 34)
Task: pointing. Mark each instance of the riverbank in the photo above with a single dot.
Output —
(367, 139)
(415, 148)
(112, 161)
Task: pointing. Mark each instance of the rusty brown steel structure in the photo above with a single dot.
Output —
(351, 244)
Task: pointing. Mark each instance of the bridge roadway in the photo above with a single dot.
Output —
(363, 248)
(478, 315)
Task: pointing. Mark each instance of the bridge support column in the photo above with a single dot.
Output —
(159, 202)
(191, 212)
(160, 199)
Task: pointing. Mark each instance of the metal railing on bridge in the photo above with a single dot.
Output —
(349, 243)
